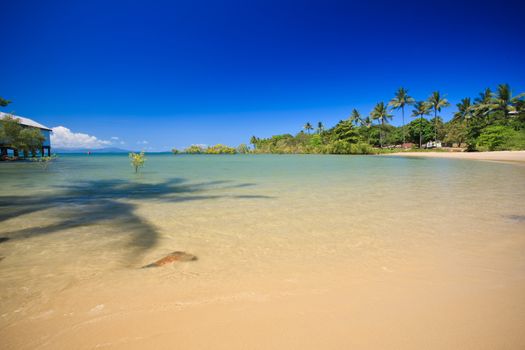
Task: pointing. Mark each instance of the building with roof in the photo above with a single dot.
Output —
(27, 123)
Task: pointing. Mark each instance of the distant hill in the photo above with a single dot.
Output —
(86, 150)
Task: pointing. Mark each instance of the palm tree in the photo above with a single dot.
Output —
(437, 102)
(380, 113)
(482, 104)
(503, 100)
(320, 127)
(464, 112)
(421, 108)
(355, 117)
(308, 127)
(254, 140)
(401, 100)
(367, 123)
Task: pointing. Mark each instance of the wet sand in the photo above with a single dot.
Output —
(498, 156)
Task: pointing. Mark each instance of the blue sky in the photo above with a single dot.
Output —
(174, 73)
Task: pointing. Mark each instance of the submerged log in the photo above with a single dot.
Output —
(171, 258)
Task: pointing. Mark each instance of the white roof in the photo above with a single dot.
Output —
(25, 121)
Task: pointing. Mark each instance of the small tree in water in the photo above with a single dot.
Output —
(137, 160)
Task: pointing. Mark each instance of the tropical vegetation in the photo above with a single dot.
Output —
(492, 121)
(14, 135)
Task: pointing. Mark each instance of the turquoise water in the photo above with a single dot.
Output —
(88, 223)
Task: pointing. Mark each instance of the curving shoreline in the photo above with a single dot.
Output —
(497, 156)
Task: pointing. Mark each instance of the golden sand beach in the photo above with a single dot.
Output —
(498, 156)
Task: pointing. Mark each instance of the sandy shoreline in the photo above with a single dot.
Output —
(499, 156)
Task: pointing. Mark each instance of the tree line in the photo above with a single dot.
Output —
(494, 120)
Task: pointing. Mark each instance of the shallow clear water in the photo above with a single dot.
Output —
(427, 236)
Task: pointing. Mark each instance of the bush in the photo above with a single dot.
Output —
(220, 149)
(339, 147)
(361, 148)
(243, 149)
(500, 138)
(194, 149)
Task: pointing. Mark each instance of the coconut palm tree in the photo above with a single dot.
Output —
(308, 127)
(482, 104)
(320, 127)
(464, 112)
(254, 141)
(380, 113)
(504, 101)
(437, 102)
(355, 117)
(400, 100)
(367, 123)
(421, 108)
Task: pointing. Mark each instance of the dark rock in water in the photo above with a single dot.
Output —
(171, 258)
(4, 239)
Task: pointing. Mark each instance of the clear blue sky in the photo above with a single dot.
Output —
(175, 73)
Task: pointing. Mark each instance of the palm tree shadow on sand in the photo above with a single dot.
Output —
(110, 202)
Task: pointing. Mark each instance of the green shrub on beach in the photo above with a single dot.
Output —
(194, 149)
(243, 149)
(220, 149)
(500, 138)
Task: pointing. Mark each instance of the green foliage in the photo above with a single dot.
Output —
(195, 149)
(361, 148)
(175, 151)
(137, 160)
(345, 131)
(308, 127)
(220, 149)
(456, 133)
(10, 130)
(243, 149)
(358, 135)
(381, 114)
(30, 140)
(344, 147)
(417, 126)
(339, 147)
(22, 138)
(316, 141)
(500, 138)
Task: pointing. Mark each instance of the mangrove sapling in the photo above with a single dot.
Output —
(137, 160)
